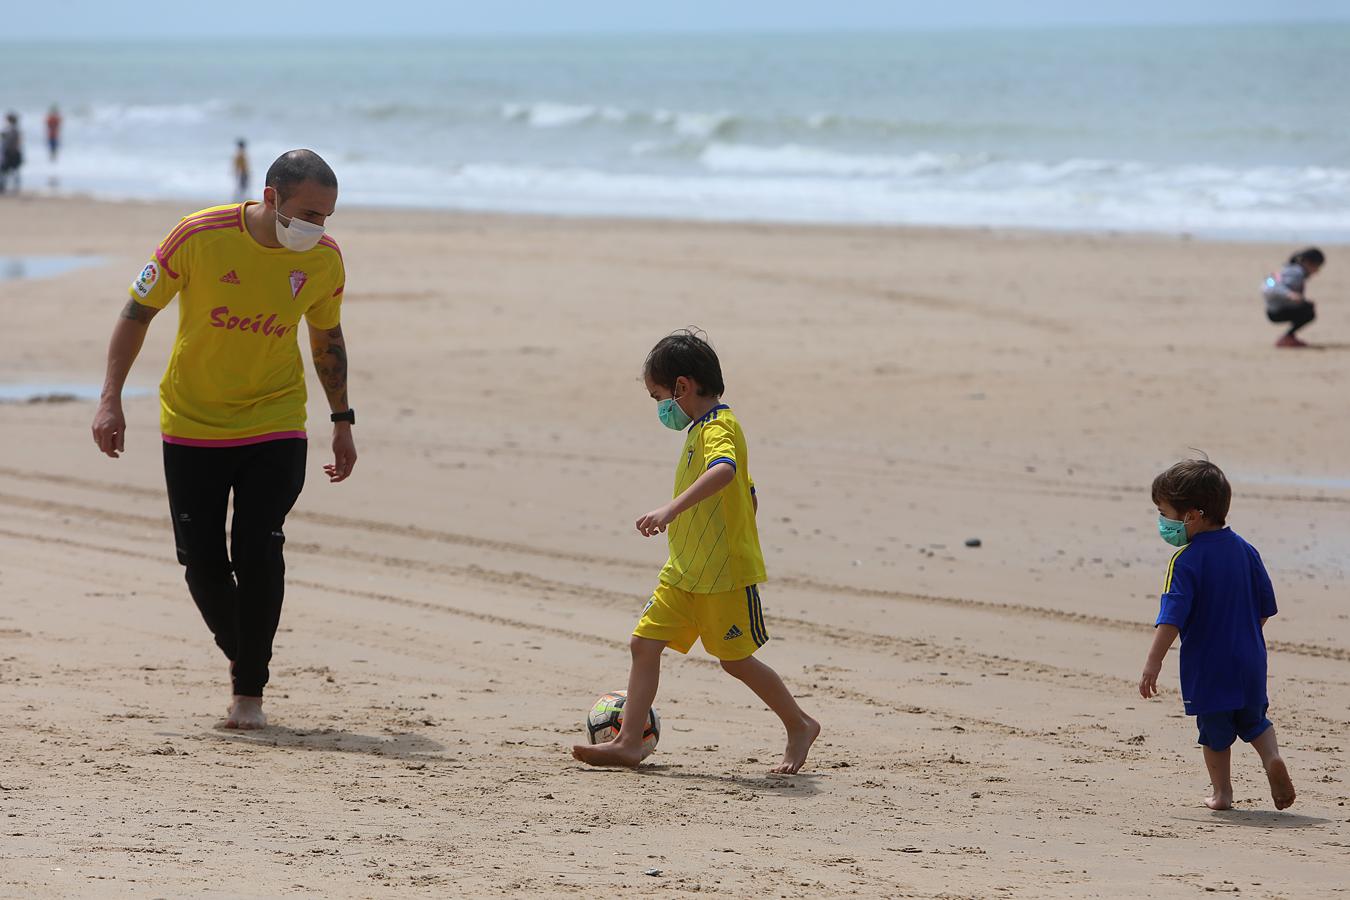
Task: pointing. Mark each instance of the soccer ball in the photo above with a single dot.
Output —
(606, 718)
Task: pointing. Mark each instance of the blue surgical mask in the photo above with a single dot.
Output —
(671, 415)
(1172, 531)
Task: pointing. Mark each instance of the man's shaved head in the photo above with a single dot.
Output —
(295, 167)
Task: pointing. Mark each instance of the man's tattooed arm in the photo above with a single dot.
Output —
(138, 312)
(330, 362)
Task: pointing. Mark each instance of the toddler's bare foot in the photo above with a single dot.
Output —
(611, 753)
(1220, 800)
(245, 713)
(1281, 785)
(800, 739)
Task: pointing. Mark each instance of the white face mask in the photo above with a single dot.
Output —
(297, 234)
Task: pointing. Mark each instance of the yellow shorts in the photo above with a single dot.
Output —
(731, 623)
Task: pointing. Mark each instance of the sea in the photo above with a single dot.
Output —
(1232, 131)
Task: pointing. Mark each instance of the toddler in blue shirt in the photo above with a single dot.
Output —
(1217, 597)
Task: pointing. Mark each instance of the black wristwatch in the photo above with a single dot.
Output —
(348, 416)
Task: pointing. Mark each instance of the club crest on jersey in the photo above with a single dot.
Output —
(298, 280)
(146, 280)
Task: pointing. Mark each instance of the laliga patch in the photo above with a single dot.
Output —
(298, 280)
(146, 280)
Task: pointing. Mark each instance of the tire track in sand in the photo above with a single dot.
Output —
(912, 650)
(1055, 738)
(349, 523)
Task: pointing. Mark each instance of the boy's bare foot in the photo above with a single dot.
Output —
(611, 753)
(799, 744)
(245, 713)
(1218, 801)
(1281, 785)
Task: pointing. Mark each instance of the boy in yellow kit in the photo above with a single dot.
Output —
(709, 587)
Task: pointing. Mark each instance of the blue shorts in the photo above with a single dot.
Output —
(1218, 730)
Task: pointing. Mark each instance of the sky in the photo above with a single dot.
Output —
(148, 20)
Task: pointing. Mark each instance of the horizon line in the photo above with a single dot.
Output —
(728, 31)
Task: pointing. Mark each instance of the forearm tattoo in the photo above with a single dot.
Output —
(138, 312)
(330, 362)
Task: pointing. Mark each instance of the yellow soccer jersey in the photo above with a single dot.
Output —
(714, 546)
(235, 375)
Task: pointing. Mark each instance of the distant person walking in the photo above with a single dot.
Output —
(11, 154)
(232, 403)
(53, 132)
(1286, 300)
(240, 171)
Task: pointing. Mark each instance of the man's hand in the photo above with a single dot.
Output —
(1148, 682)
(110, 428)
(655, 521)
(344, 454)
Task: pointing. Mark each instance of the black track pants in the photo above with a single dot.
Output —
(239, 590)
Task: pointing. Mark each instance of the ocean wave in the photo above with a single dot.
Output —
(798, 159)
(138, 114)
(799, 183)
(546, 114)
(560, 115)
(1290, 187)
(724, 124)
(1273, 204)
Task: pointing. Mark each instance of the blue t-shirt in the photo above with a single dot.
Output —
(1217, 592)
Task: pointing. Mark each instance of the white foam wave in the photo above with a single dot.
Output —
(702, 125)
(714, 124)
(1260, 207)
(134, 114)
(561, 115)
(685, 124)
(797, 159)
(799, 184)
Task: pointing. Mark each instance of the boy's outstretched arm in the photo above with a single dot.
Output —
(709, 483)
(1163, 638)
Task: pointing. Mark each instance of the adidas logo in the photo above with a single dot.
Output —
(732, 634)
(229, 278)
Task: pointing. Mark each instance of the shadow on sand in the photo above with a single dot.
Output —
(403, 745)
(801, 784)
(1259, 818)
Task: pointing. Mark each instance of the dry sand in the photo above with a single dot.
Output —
(455, 607)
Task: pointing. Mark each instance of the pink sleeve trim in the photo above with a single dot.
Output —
(168, 251)
(328, 241)
(198, 218)
(164, 264)
(233, 442)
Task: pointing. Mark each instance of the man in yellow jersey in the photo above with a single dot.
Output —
(709, 588)
(232, 402)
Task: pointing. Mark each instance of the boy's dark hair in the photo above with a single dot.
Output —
(1195, 484)
(296, 167)
(685, 353)
(1309, 255)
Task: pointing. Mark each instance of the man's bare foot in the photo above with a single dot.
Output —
(1220, 801)
(245, 713)
(611, 753)
(799, 744)
(1281, 785)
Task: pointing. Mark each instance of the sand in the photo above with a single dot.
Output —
(454, 608)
